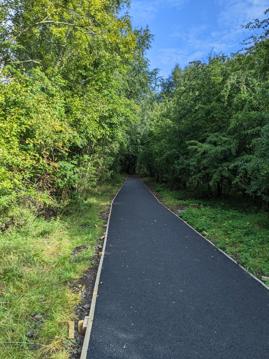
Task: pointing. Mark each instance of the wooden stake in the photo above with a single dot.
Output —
(71, 329)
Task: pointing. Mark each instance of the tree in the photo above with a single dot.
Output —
(208, 127)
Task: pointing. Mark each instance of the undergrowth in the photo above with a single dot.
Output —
(41, 261)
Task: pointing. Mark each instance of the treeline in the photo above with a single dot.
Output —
(76, 107)
(72, 76)
(208, 128)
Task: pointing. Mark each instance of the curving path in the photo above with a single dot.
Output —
(166, 293)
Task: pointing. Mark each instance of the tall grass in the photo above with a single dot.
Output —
(40, 264)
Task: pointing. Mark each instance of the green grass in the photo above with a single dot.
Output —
(37, 270)
(238, 227)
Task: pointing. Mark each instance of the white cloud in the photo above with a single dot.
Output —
(169, 57)
(199, 42)
(218, 41)
(145, 11)
(236, 13)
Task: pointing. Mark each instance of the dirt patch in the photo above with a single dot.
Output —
(86, 285)
(181, 209)
(79, 249)
(32, 334)
(195, 205)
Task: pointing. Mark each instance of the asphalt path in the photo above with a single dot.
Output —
(166, 293)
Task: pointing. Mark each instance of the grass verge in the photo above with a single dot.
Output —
(238, 227)
(40, 266)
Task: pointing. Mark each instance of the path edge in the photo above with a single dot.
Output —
(87, 337)
(206, 239)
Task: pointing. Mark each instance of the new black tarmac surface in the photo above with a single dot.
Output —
(166, 293)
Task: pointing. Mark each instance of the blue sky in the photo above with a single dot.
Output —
(187, 30)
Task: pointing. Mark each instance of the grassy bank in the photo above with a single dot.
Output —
(239, 228)
(40, 266)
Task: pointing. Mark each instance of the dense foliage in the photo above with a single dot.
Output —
(208, 129)
(71, 78)
(75, 106)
